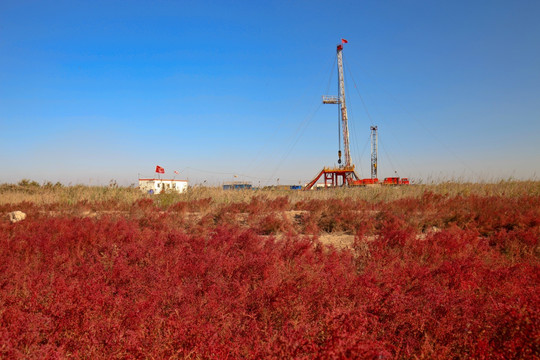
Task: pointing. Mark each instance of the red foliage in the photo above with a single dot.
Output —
(162, 284)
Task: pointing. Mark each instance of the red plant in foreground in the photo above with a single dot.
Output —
(155, 285)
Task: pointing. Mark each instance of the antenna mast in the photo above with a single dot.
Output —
(374, 152)
(340, 99)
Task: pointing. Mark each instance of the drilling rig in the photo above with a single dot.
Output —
(344, 174)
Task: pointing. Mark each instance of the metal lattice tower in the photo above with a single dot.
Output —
(341, 100)
(374, 152)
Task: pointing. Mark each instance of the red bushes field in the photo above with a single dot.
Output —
(429, 277)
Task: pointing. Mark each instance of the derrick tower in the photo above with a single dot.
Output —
(344, 174)
(340, 100)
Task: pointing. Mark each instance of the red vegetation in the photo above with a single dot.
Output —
(430, 278)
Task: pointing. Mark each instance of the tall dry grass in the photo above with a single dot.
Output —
(67, 195)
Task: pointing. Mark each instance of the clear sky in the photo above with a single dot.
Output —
(97, 90)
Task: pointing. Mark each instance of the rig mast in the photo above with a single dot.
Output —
(340, 99)
(374, 152)
(344, 175)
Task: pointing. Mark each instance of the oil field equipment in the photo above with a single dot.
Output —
(344, 174)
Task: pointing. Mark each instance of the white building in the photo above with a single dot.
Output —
(155, 186)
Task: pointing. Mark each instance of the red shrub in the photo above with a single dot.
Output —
(163, 284)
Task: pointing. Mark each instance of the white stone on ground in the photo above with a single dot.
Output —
(15, 216)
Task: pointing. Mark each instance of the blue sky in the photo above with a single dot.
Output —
(100, 90)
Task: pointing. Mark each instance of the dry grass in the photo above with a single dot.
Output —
(66, 195)
(38, 195)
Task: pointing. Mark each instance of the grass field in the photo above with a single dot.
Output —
(426, 271)
(29, 191)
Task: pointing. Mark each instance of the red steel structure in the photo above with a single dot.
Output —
(333, 177)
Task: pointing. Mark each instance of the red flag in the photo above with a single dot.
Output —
(160, 170)
(343, 41)
(176, 172)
